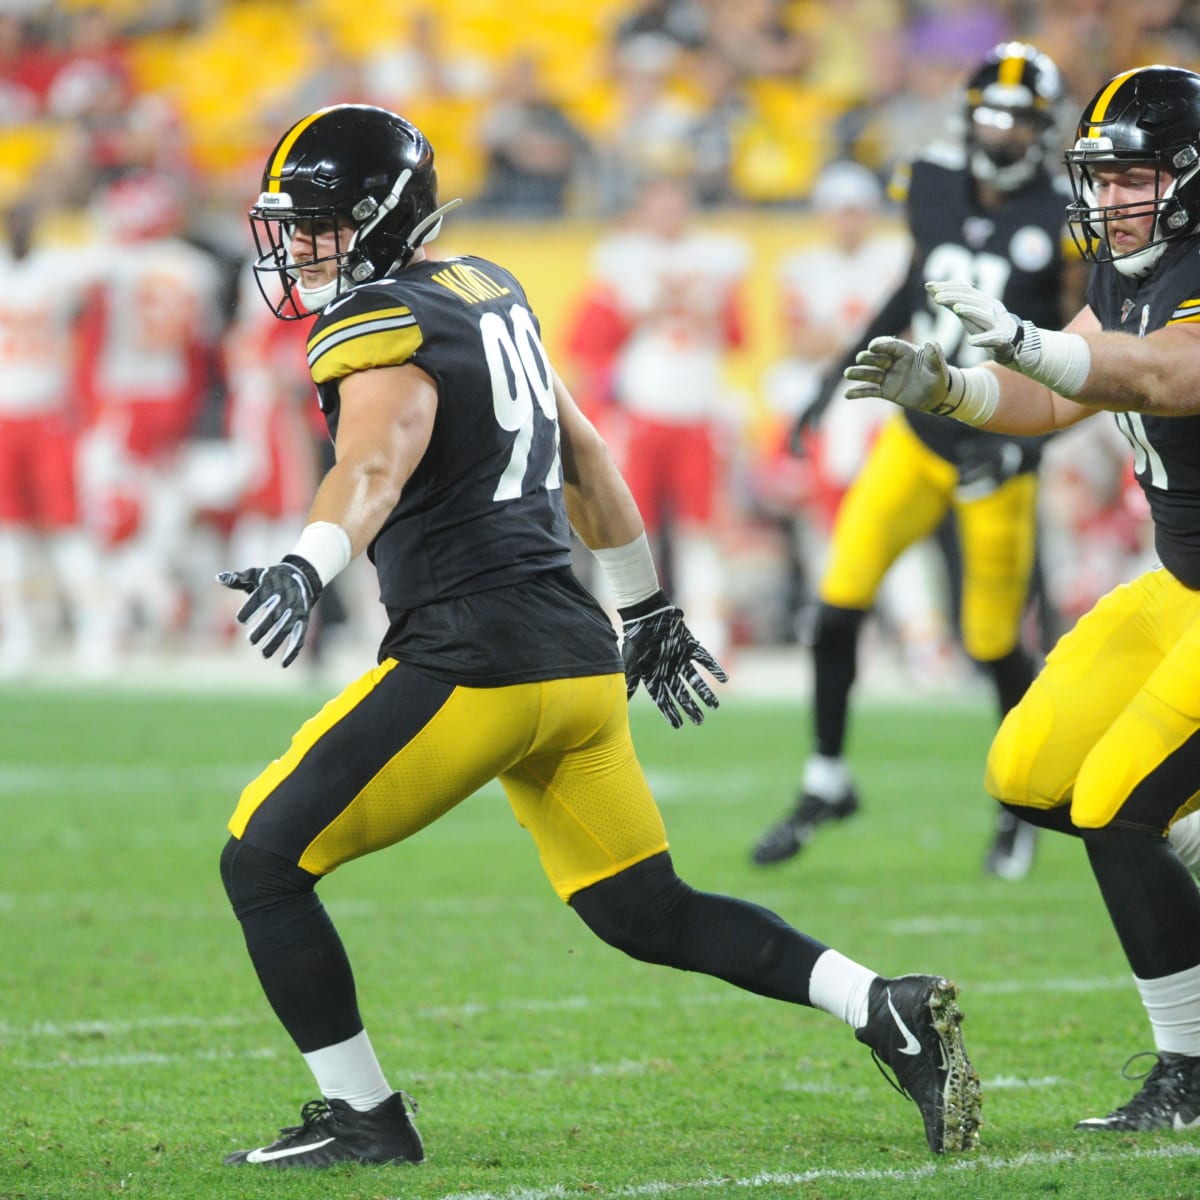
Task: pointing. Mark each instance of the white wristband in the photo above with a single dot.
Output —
(1059, 360)
(327, 546)
(629, 570)
(974, 394)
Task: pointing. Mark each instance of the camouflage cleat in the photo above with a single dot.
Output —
(913, 1029)
(1168, 1099)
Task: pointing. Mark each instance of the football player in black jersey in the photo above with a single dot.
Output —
(1105, 744)
(461, 465)
(987, 210)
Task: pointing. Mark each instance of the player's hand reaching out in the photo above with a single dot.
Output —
(281, 603)
(661, 652)
(914, 377)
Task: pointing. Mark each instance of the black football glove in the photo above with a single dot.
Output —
(281, 603)
(661, 652)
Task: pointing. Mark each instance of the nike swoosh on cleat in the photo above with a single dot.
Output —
(1179, 1123)
(265, 1155)
(911, 1045)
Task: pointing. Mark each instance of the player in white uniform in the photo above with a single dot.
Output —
(676, 289)
(40, 420)
(158, 323)
(830, 288)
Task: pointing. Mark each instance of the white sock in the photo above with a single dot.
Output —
(1173, 1006)
(350, 1071)
(840, 987)
(826, 777)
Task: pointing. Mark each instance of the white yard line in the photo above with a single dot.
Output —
(975, 1164)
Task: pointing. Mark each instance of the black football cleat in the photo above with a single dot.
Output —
(789, 836)
(913, 1030)
(330, 1131)
(1168, 1099)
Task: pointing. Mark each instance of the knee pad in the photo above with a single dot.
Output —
(255, 879)
(639, 911)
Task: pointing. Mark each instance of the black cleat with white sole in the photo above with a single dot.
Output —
(913, 1030)
(330, 1131)
(1168, 1099)
(788, 836)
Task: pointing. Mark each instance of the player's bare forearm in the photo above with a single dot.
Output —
(1158, 374)
(600, 506)
(386, 421)
(1028, 408)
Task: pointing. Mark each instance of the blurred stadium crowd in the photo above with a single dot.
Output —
(156, 424)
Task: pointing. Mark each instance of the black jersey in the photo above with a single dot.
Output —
(482, 519)
(1166, 450)
(1015, 252)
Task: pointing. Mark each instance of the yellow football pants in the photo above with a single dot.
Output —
(396, 750)
(1118, 697)
(899, 497)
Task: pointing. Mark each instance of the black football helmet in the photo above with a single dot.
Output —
(1149, 116)
(354, 162)
(1013, 106)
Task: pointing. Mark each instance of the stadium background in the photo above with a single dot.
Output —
(206, 87)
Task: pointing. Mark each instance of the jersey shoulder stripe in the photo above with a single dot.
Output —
(381, 337)
(1187, 313)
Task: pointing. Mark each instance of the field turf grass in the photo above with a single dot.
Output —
(136, 1049)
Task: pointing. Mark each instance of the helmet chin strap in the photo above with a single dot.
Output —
(1141, 262)
(316, 298)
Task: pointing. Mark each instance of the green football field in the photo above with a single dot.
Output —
(136, 1049)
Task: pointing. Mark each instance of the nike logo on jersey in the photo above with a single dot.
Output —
(335, 303)
(354, 290)
(911, 1045)
(266, 1155)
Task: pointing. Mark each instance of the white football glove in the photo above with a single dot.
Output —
(989, 325)
(1061, 361)
(915, 377)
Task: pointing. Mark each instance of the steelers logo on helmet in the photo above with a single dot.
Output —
(1013, 103)
(1149, 118)
(364, 173)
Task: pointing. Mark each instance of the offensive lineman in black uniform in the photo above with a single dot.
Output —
(1106, 743)
(461, 458)
(986, 210)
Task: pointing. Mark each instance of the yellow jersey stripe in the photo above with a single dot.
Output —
(389, 346)
(285, 148)
(337, 327)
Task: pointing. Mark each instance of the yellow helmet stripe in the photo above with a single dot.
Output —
(1105, 98)
(1011, 70)
(285, 148)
